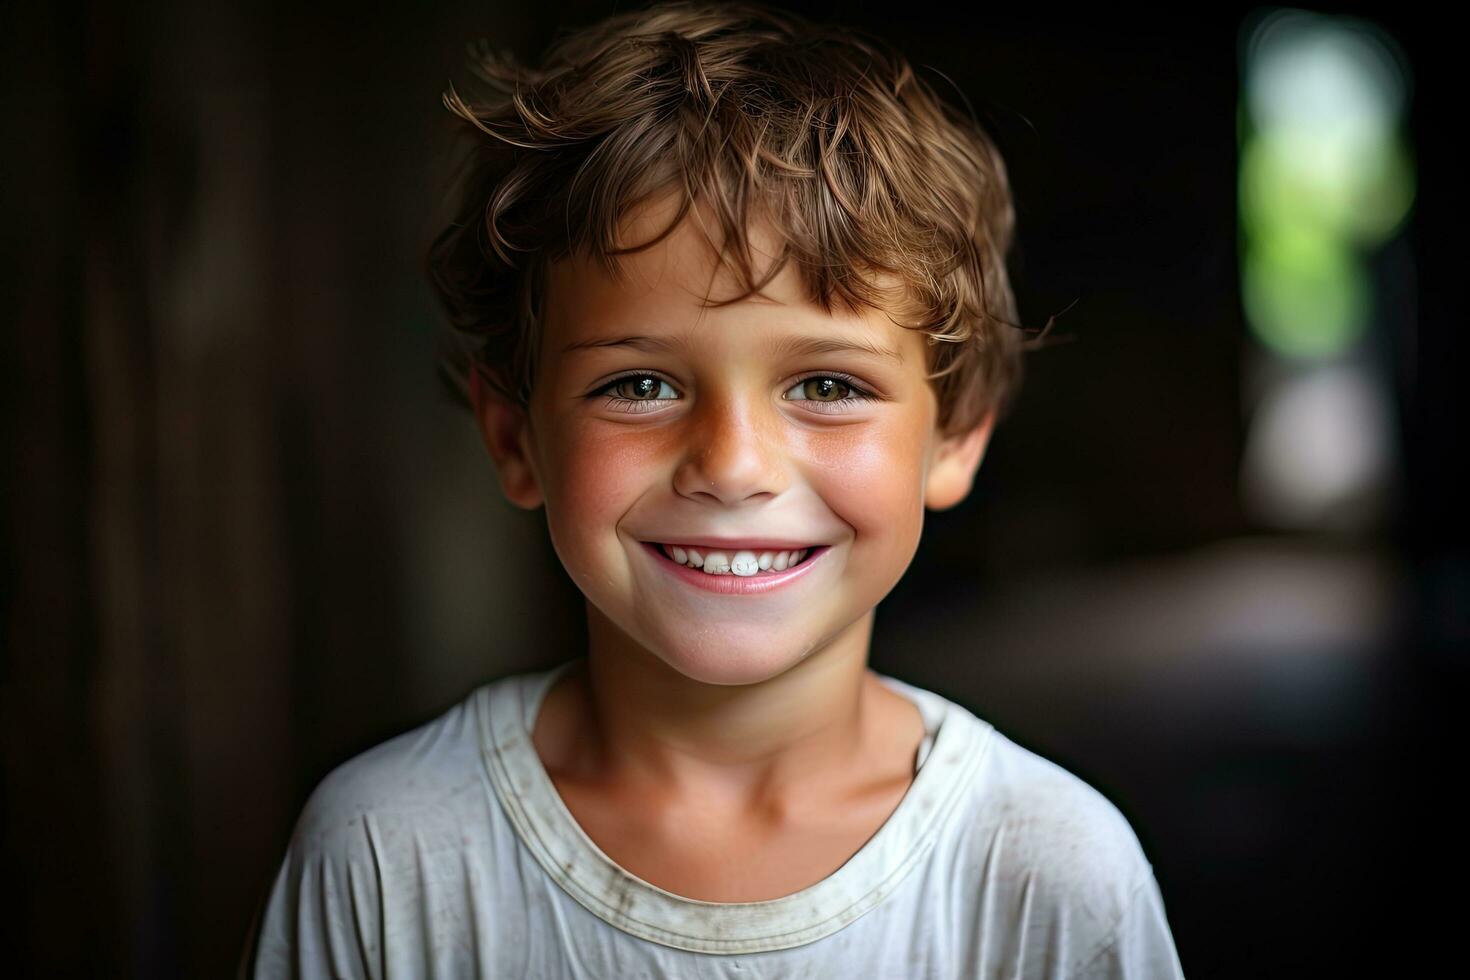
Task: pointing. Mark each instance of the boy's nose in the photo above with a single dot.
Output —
(733, 452)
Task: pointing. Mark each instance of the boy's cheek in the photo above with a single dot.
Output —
(592, 470)
(873, 477)
(590, 487)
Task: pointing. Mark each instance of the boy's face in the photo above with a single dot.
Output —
(724, 423)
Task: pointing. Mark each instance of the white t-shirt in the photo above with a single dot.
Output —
(447, 852)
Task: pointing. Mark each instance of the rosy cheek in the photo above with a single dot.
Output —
(870, 479)
(598, 473)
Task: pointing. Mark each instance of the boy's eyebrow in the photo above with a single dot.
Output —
(786, 346)
(635, 342)
(835, 345)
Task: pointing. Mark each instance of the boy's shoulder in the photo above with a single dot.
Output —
(1044, 808)
(1030, 828)
(370, 828)
(407, 778)
(1056, 821)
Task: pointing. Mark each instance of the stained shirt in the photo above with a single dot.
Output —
(447, 852)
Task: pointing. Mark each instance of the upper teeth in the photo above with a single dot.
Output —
(736, 563)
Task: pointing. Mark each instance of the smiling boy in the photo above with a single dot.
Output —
(736, 289)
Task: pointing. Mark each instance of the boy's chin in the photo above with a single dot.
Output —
(730, 665)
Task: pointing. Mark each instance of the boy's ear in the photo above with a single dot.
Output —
(507, 432)
(956, 459)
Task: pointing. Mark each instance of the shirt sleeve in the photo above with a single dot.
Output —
(1141, 946)
(323, 918)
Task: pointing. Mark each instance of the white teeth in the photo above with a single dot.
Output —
(744, 563)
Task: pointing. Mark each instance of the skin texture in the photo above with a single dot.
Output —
(725, 747)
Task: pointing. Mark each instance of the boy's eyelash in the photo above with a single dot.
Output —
(856, 391)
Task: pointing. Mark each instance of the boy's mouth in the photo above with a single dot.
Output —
(736, 561)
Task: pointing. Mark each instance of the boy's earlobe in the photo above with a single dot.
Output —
(505, 428)
(956, 460)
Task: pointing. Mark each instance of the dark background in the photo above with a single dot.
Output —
(245, 536)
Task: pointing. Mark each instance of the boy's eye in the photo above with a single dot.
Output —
(638, 387)
(632, 392)
(821, 388)
(829, 393)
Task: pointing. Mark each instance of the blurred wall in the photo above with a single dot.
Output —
(246, 537)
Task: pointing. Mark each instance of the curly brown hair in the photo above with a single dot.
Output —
(866, 174)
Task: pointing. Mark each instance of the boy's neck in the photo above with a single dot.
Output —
(624, 717)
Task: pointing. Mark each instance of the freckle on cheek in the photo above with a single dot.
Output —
(595, 471)
(866, 458)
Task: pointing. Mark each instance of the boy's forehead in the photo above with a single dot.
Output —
(684, 266)
(668, 284)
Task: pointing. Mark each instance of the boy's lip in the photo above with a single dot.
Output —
(739, 544)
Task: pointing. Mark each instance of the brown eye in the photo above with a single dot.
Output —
(828, 389)
(824, 389)
(637, 389)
